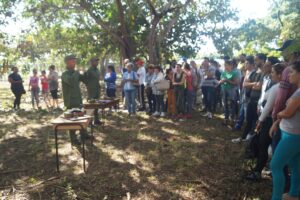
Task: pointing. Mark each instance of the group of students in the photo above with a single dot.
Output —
(48, 84)
(269, 101)
(258, 94)
(176, 99)
(262, 91)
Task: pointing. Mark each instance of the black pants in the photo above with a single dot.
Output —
(17, 101)
(151, 101)
(251, 118)
(264, 142)
(141, 97)
(179, 96)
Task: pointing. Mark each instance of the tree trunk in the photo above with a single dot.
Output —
(152, 42)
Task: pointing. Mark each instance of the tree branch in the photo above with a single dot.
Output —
(152, 8)
(88, 8)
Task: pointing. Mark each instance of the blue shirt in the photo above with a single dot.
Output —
(129, 75)
(110, 80)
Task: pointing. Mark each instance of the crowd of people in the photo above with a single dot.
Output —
(48, 83)
(258, 95)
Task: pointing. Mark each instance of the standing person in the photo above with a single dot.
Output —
(218, 95)
(141, 73)
(228, 82)
(196, 80)
(253, 89)
(159, 95)
(35, 89)
(16, 86)
(288, 152)
(149, 92)
(242, 67)
(123, 70)
(45, 89)
(92, 79)
(265, 122)
(189, 90)
(209, 85)
(53, 85)
(267, 80)
(171, 102)
(178, 82)
(71, 89)
(129, 82)
(291, 54)
(110, 80)
(245, 93)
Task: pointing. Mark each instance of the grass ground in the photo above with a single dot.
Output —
(132, 158)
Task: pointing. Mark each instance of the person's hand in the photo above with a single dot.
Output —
(273, 130)
(258, 127)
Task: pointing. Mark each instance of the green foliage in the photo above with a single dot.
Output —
(264, 35)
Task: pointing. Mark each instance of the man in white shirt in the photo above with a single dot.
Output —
(141, 73)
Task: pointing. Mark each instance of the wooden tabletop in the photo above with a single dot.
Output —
(71, 124)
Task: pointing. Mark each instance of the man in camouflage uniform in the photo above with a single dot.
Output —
(92, 78)
(71, 91)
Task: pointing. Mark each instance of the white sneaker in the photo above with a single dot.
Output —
(156, 114)
(249, 137)
(163, 114)
(237, 140)
(206, 114)
(209, 115)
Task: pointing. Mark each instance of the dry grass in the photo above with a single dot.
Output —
(132, 158)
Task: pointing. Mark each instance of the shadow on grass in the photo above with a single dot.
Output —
(141, 157)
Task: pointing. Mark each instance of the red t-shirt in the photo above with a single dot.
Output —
(44, 82)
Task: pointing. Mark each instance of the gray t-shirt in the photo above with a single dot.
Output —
(292, 125)
(53, 82)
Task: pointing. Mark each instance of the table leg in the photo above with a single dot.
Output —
(56, 146)
(83, 147)
(92, 133)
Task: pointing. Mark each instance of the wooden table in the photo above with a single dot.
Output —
(103, 104)
(80, 123)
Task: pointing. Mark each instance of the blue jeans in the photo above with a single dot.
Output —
(189, 99)
(209, 98)
(286, 153)
(229, 102)
(35, 96)
(130, 98)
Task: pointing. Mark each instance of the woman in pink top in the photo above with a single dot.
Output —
(34, 88)
(45, 88)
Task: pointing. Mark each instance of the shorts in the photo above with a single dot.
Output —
(54, 94)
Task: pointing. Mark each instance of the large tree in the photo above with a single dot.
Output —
(149, 28)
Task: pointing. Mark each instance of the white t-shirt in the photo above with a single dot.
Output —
(141, 72)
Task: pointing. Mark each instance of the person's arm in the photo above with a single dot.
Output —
(283, 93)
(13, 81)
(248, 84)
(173, 80)
(66, 79)
(234, 81)
(269, 104)
(292, 107)
(274, 127)
(182, 80)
